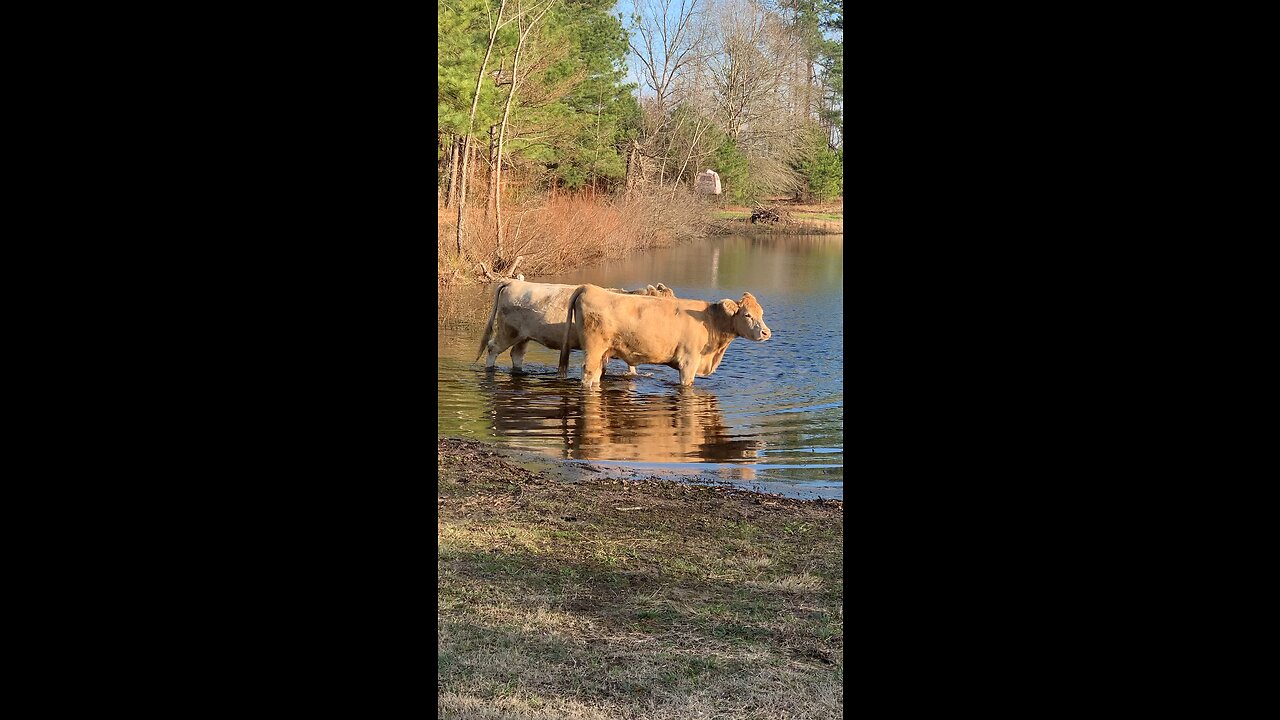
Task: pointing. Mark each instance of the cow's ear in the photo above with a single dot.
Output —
(651, 289)
(661, 287)
(730, 307)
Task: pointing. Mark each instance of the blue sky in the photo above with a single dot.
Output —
(626, 8)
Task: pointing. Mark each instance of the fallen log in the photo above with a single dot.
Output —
(491, 277)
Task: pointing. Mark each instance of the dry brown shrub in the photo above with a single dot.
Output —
(561, 233)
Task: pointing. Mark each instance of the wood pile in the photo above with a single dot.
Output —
(768, 214)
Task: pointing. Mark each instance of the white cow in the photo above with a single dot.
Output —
(524, 311)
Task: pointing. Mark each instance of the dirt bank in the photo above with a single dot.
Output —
(631, 596)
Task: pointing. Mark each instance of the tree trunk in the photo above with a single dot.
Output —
(493, 176)
(442, 165)
(506, 114)
(692, 146)
(451, 190)
(448, 171)
(475, 160)
(471, 121)
(631, 168)
(810, 101)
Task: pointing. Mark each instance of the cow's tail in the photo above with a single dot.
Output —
(488, 328)
(568, 328)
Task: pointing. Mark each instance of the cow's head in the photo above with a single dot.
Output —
(660, 291)
(747, 317)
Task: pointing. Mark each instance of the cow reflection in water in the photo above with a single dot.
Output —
(618, 424)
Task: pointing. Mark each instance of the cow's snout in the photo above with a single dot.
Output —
(765, 333)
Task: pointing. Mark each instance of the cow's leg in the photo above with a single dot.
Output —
(604, 364)
(631, 371)
(592, 366)
(517, 355)
(591, 372)
(687, 367)
(498, 344)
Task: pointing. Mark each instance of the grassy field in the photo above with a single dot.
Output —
(632, 598)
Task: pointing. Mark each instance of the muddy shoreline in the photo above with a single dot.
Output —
(576, 471)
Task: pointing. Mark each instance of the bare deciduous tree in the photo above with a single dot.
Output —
(495, 24)
(758, 99)
(669, 43)
(538, 12)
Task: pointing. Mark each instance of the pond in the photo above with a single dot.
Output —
(770, 418)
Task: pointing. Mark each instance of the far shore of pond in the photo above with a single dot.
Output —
(743, 226)
(817, 218)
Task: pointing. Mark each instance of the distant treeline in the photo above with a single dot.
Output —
(535, 98)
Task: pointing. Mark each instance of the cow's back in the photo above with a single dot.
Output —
(537, 311)
(643, 329)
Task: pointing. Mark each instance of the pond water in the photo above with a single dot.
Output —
(770, 418)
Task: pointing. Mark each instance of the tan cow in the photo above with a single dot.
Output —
(688, 335)
(524, 311)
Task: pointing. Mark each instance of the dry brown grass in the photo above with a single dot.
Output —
(559, 234)
(554, 604)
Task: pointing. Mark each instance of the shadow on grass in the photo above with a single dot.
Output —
(648, 594)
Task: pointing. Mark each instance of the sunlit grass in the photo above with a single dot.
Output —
(553, 604)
